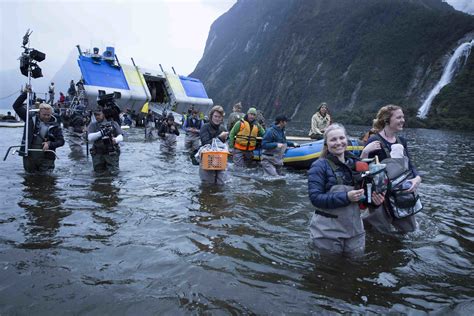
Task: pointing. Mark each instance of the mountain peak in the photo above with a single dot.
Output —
(357, 55)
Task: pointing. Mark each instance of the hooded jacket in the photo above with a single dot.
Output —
(56, 131)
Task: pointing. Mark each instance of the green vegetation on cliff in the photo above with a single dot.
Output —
(290, 55)
(453, 107)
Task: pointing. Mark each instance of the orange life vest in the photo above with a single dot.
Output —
(246, 139)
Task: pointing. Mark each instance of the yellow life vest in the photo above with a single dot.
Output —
(246, 139)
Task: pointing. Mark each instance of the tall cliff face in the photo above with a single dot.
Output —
(287, 56)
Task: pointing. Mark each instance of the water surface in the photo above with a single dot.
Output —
(153, 240)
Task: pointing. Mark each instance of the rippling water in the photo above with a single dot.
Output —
(152, 240)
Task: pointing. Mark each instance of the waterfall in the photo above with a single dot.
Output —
(454, 64)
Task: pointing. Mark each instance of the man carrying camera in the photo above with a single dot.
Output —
(105, 136)
(77, 126)
(44, 136)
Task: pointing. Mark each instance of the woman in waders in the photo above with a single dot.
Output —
(336, 226)
(390, 121)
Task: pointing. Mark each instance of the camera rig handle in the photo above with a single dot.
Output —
(15, 151)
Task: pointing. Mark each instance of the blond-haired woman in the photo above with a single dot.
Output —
(336, 225)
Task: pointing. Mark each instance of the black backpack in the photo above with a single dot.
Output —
(399, 202)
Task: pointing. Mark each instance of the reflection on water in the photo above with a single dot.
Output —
(43, 210)
(105, 192)
(152, 239)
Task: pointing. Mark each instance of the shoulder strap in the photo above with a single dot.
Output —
(383, 144)
(242, 124)
(334, 169)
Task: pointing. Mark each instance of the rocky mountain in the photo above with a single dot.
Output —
(287, 56)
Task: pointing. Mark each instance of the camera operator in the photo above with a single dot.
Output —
(105, 136)
(77, 126)
(44, 135)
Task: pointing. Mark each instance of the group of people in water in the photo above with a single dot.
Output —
(333, 180)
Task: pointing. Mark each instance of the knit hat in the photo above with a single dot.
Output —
(252, 111)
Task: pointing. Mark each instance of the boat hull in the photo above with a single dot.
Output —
(302, 157)
(12, 124)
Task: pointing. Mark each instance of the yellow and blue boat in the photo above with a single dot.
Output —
(302, 157)
(136, 87)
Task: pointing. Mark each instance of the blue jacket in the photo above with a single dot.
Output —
(273, 136)
(321, 178)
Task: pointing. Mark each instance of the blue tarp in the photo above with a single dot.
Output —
(102, 74)
(193, 87)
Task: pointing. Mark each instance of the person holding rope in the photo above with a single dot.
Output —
(44, 135)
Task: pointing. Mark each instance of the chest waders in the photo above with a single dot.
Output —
(41, 134)
(272, 161)
(379, 217)
(338, 230)
(168, 143)
(38, 160)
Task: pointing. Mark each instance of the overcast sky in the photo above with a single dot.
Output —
(170, 32)
(462, 5)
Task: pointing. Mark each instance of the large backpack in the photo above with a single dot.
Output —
(398, 201)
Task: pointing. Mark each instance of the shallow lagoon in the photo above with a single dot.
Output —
(152, 240)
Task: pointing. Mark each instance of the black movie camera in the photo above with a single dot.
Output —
(109, 107)
(107, 132)
(30, 58)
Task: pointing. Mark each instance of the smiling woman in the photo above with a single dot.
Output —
(389, 121)
(336, 226)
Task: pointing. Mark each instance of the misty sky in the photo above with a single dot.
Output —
(462, 5)
(170, 32)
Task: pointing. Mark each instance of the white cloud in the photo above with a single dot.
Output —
(172, 33)
(462, 5)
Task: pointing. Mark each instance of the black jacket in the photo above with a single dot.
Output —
(166, 129)
(210, 131)
(58, 138)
